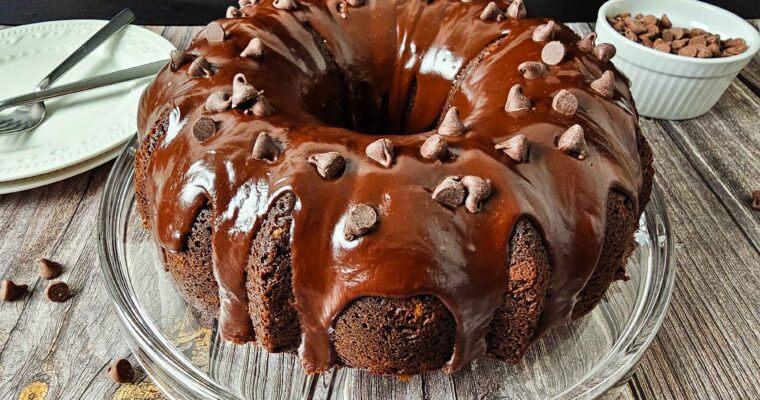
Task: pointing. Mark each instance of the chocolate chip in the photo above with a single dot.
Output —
(605, 85)
(649, 19)
(688, 51)
(678, 33)
(532, 69)
(200, 67)
(646, 41)
(10, 291)
(631, 36)
(242, 91)
(381, 150)
(451, 125)
(478, 189)
(218, 101)
(58, 292)
(49, 269)
(289, 5)
(121, 371)
(516, 10)
(663, 47)
(679, 44)
(516, 100)
(204, 128)
(544, 32)
(553, 53)
(665, 21)
(698, 40)
(215, 32)
(450, 192)
(714, 49)
(588, 42)
(605, 52)
(435, 148)
(233, 12)
(492, 13)
(262, 108)
(265, 148)
(573, 142)
(565, 103)
(361, 219)
(703, 51)
(738, 42)
(254, 49)
(756, 199)
(635, 26)
(516, 148)
(328, 164)
(179, 59)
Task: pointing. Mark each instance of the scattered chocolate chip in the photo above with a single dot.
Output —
(242, 91)
(451, 125)
(10, 291)
(49, 269)
(254, 49)
(605, 85)
(532, 69)
(204, 128)
(565, 103)
(289, 5)
(265, 148)
(756, 199)
(516, 100)
(121, 371)
(58, 292)
(450, 192)
(544, 32)
(435, 148)
(588, 42)
(553, 53)
(200, 67)
(516, 148)
(361, 219)
(492, 13)
(215, 32)
(233, 12)
(179, 59)
(665, 21)
(328, 164)
(516, 10)
(262, 108)
(356, 3)
(605, 52)
(218, 101)
(573, 142)
(381, 150)
(478, 189)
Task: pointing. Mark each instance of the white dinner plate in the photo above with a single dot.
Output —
(81, 126)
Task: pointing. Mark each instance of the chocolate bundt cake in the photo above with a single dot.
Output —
(398, 186)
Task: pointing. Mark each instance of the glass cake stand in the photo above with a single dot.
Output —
(187, 359)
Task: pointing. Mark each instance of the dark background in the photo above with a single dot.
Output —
(197, 12)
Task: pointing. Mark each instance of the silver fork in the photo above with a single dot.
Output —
(29, 116)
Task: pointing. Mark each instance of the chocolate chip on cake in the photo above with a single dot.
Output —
(492, 13)
(588, 42)
(179, 59)
(58, 292)
(450, 192)
(544, 32)
(361, 219)
(254, 49)
(200, 67)
(553, 53)
(204, 128)
(573, 142)
(565, 103)
(478, 189)
(532, 69)
(756, 199)
(451, 125)
(265, 148)
(242, 91)
(516, 148)
(605, 52)
(10, 291)
(233, 12)
(381, 150)
(435, 148)
(516, 10)
(262, 107)
(516, 100)
(218, 101)
(215, 32)
(605, 85)
(121, 371)
(289, 5)
(49, 269)
(328, 164)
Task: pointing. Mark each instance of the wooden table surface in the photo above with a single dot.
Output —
(707, 348)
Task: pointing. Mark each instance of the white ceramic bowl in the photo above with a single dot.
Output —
(668, 86)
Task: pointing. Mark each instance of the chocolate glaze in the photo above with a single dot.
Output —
(389, 68)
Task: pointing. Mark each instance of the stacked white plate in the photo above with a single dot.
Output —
(81, 131)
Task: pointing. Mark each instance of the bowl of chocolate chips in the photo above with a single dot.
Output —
(680, 55)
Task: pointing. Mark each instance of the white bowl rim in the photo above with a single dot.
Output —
(753, 42)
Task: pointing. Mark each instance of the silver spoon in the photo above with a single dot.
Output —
(30, 116)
